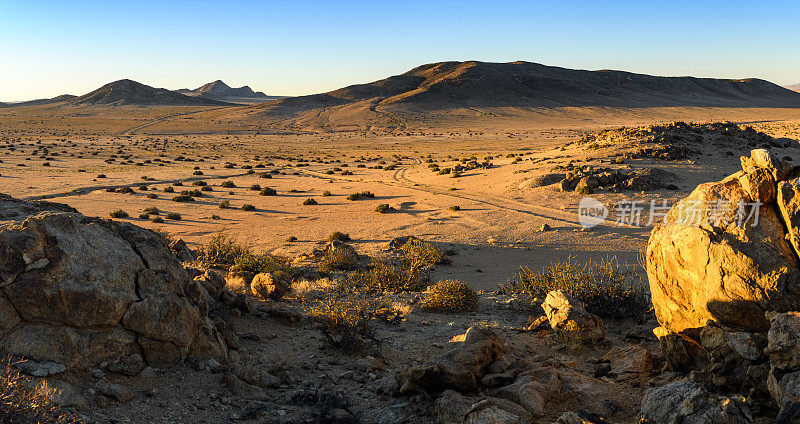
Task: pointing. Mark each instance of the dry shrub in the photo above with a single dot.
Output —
(343, 317)
(22, 403)
(605, 288)
(424, 253)
(450, 296)
(256, 264)
(222, 250)
(342, 259)
(388, 275)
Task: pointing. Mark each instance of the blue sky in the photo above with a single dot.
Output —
(304, 47)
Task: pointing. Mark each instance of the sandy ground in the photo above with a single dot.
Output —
(495, 231)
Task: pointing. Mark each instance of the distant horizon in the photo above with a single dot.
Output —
(306, 47)
(256, 89)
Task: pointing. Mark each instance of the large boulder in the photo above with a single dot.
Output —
(721, 254)
(79, 291)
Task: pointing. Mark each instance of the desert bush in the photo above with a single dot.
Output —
(169, 189)
(338, 236)
(326, 193)
(391, 275)
(309, 202)
(183, 198)
(144, 216)
(125, 190)
(342, 316)
(605, 288)
(225, 204)
(173, 216)
(256, 264)
(361, 195)
(255, 187)
(341, 259)
(22, 402)
(455, 208)
(267, 191)
(222, 249)
(119, 213)
(450, 296)
(248, 207)
(425, 253)
(152, 196)
(157, 220)
(197, 173)
(265, 175)
(199, 183)
(383, 208)
(227, 184)
(206, 188)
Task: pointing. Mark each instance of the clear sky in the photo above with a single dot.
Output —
(303, 47)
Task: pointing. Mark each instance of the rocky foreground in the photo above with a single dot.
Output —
(128, 329)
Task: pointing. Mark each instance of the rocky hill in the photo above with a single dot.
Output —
(128, 92)
(219, 90)
(448, 86)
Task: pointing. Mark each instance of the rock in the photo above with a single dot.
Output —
(566, 314)
(127, 365)
(242, 389)
(182, 251)
(789, 205)
(702, 265)
(451, 407)
(763, 159)
(545, 228)
(213, 282)
(37, 369)
(783, 341)
(632, 363)
(758, 184)
(87, 290)
(748, 345)
(685, 402)
(459, 368)
(268, 287)
(496, 411)
(116, 391)
(533, 389)
(542, 180)
(242, 302)
(681, 353)
(784, 387)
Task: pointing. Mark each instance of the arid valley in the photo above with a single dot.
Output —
(403, 240)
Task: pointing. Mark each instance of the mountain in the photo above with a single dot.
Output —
(795, 87)
(39, 102)
(128, 92)
(448, 86)
(219, 90)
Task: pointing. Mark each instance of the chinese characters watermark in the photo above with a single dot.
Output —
(688, 212)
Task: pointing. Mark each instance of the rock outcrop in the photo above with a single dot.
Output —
(721, 253)
(567, 316)
(79, 291)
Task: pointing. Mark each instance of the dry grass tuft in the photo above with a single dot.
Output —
(450, 296)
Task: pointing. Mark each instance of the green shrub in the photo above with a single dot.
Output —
(605, 288)
(119, 213)
(450, 296)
